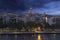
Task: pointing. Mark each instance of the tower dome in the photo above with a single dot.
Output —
(30, 10)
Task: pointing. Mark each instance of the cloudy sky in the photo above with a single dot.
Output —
(38, 6)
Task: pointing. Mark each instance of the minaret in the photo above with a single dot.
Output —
(30, 11)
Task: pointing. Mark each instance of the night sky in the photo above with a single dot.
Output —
(38, 6)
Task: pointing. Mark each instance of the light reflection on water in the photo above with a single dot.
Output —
(31, 37)
(39, 37)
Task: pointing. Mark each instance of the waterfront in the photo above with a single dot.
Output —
(30, 36)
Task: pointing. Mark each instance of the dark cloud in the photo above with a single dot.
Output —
(13, 5)
(8, 4)
(55, 0)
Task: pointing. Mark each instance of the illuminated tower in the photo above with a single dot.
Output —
(30, 10)
(46, 19)
(45, 16)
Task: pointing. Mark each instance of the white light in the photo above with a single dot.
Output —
(46, 19)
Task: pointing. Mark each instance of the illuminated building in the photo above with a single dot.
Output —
(37, 17)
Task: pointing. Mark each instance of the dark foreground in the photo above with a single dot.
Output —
(45, 36)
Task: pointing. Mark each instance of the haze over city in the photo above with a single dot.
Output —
(38, 6)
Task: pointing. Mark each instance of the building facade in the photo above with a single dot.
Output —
(29, 17)
(34, 17)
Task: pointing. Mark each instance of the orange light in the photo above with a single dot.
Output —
(39, 37)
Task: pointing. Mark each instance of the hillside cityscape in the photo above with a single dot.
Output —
(28, 22)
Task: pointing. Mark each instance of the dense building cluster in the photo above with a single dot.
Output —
(28, 17)
(29, 21)
(34, 17)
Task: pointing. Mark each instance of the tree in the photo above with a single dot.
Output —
(11, 23)
(47, 25)
(31, 25)
(56, 26)
(20, 25)
(5, 24)
(1, 22)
